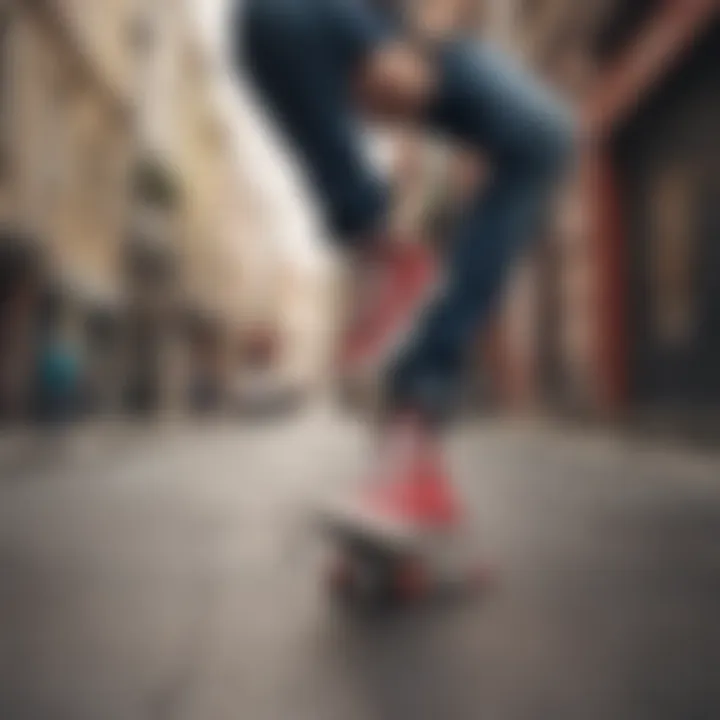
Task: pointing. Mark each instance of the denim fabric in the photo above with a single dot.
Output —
(301, 55)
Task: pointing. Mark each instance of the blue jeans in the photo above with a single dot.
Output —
(302, 55)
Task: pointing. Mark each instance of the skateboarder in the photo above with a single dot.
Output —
(321, 65)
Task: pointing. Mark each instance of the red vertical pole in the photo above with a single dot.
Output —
(612, 352)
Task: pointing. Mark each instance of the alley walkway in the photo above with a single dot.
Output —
(169, 575)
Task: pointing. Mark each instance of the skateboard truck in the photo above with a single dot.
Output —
(375, 567)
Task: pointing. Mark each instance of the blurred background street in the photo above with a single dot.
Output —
(172, 576)
(158, 243)
(169, 307)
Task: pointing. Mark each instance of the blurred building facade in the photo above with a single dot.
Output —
(620, 316)
(652, 169)
(65, 138)
(616, 309)
(114, 163)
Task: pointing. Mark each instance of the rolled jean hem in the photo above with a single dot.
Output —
(424, 398)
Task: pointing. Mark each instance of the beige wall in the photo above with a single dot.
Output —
(179, 125)
(68, 150)
(102, 30)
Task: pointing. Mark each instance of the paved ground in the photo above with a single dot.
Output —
(152, 573)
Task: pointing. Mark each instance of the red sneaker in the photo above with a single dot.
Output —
(395, 284)
(410, 496)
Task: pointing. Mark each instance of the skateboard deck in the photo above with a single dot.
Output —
(358, 527)
(381, 562)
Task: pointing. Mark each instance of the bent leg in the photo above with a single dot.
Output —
(487, 103)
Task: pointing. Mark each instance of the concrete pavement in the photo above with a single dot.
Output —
(169, 574)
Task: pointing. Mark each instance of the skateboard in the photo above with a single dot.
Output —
(380, 565)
